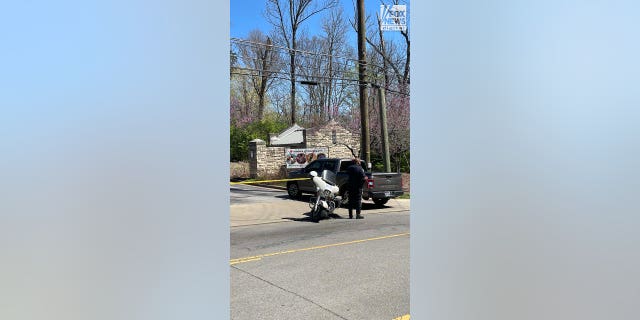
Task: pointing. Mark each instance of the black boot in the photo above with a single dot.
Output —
(350, 214)
(358, 216)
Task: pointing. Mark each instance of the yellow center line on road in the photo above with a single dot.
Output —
(405, 317)
(244, 260)
(259, 257)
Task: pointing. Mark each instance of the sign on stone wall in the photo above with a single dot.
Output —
(299, 158)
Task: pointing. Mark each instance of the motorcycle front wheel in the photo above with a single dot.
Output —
(315, 215)
(315, 208)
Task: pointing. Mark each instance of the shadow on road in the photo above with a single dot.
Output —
(308, 218)
(366, 205)
(302, 198)
(371, 206)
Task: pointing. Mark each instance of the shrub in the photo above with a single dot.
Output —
(240, 135)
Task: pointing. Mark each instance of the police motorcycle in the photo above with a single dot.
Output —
(326, 199)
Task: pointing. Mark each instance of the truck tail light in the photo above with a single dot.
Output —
(370, 183)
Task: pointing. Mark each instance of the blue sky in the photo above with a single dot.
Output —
(247, 15)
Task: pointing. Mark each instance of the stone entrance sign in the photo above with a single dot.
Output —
(300, 158)
(271, 161)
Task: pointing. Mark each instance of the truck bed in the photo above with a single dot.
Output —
(385, 185)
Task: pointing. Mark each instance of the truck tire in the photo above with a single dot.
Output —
(380, 201)
(293, 190)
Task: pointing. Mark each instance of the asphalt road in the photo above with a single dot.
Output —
(335, 269)
(247, 194)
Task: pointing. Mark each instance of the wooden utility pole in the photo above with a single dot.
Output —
(362, 77)
(292, 56)
(383, 126)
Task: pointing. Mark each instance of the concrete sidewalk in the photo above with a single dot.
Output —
(292, 210)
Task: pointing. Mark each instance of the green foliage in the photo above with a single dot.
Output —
(404, 161)
(377, 163)
(400, 160)
(239, 143)
(240, 135)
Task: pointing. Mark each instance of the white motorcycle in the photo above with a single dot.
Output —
(326, 199)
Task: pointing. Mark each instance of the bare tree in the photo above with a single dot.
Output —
(263, 61)
(287, 16)
(335, 28)
(312, 69)
(400, 65)
(278, 95)
(394, 59)
(390, 64)
(243, 99)
(327, 61)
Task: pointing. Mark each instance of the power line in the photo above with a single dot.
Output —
(342, 69)
(282, 75)
(286, 73)
(350, 62)
(279, 77)
(288, 50)
(338, 68)
(237, 40)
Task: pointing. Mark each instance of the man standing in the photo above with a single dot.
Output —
(354, 186)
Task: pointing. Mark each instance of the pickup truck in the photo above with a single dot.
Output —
(379, 186)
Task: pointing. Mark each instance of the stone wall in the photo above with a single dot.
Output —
(323, 137)
(265, 161)
(274, 163)
(269, 162)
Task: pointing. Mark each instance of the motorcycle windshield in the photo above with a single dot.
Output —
(329, 176)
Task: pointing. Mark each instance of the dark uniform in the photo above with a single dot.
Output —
(354, 185)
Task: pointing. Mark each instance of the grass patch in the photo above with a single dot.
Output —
(406, 195)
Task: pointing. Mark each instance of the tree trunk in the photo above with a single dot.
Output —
(328, 103)
(384, 61)
(246, 109)
(261, 104)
